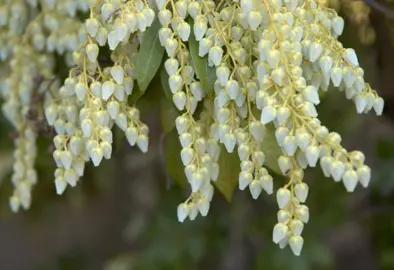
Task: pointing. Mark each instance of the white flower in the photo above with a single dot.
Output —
(170, 45)
(283, 216)
(273, 58)
(182, 212)
(350, 179)
(301, 191)
(183, 30)
(254, 19)
(303, 213)
(378, 105)
(311, 94)
(296, 226)
(245, 178)
(205, 46)
(283, 196)
(255, 189)
(203, 206)
(361, 103)
(290, 145)
(296, 243)
(199, 29)
(315, 50)
(282, 115)
(193, 211)
(179, 100)
(337, 25)
(232, 88)
(268, 114)
(267, 184)
(279, 233)
(117, 73)
(312, 155)
(60, 185)
(284, 163)
(92, 51)
(277, 76)
(196, 181)
(256, 129)
(229, 142)
(336, 76)
(215, 55)
(142, 143)
(350, 57)
(107, 89)
(96, 154)
(364, 175)
(187, 155)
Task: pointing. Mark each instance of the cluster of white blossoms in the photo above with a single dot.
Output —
(31, 32)
(271, 59)
(94, 99)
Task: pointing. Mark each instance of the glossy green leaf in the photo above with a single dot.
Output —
(152, 97)
(229, 168)
(149, 56)
(164, 83)
(168, 114)
(205, 73)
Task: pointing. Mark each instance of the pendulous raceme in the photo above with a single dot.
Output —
(271, 59)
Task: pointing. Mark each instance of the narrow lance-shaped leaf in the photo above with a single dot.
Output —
(164, 82)
(149, 57)
(229, 170)
(205, 73)
(271, 150)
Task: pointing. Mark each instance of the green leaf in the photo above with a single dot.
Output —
(168, 114)
(229, 169)
(271, 150)
(164, 83)
(149, 56)
(172, 149)
(205, 73)
(151, 99)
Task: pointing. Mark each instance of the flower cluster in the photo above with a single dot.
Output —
(93, 98)
(271, 60)
(31, 34)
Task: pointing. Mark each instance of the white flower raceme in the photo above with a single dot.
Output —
(271, 59)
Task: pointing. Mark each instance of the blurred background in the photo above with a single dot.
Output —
(123, 215)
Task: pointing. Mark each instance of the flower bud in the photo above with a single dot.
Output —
(301, 191)
(255, 189)
(296, 243)
(283, 196)
(279, 233)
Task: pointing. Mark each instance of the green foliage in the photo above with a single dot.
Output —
(227, 181)
(149, 57)
(271, 150)
(205, 73)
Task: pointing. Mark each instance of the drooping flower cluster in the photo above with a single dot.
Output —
(92, 98)
(271, 59)
(31, 33)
